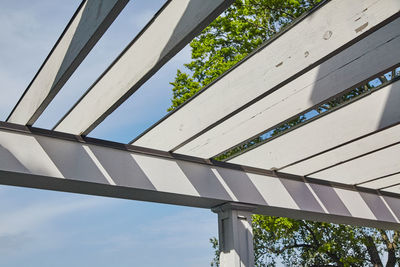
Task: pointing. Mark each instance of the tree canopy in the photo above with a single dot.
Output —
(242, 28)
(307, 243)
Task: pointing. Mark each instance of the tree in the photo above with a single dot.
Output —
(242, 28)
(306, 243)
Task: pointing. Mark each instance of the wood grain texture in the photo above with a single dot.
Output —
(318, 35)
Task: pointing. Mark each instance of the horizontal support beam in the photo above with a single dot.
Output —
(86, 27)
(174, 26)
(344, 71)
(372, 121)
(57, 161)
(322, 34)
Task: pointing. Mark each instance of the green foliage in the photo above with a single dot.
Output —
(329, 105)
(230, 38)
(305, 243)
(215, 245)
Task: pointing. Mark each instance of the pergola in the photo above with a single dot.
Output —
(341, 166)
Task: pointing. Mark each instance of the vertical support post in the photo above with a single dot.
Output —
(235, 235)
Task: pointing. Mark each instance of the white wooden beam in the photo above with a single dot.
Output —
(174, 26)
(360, 146)
(319, 36)
(346, 69)
(57, 161)
(377, 164)
(322, 142)
(393, 189)
(86, 27)
(383, 182)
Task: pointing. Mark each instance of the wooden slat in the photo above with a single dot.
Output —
(172, 28)
(348, 68)
(324, 33)
(346, 152)
(393, 189)
(367, 115)
(386, 181)
(374, 165)
(43, 159)
(88, 24)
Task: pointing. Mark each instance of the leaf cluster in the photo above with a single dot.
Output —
(246, 25)
(243, 27)
(306, 243)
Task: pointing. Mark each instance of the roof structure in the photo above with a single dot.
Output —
(339, 165)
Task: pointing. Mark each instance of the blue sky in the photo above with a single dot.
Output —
(44, 228)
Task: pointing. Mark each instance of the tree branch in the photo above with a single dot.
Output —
(280, 251)
(373, 251)
(391, 262)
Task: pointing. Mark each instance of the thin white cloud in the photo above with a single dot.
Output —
(26, 39)
(131, 20)
(29, 218)
(179, 230)
(28, 33)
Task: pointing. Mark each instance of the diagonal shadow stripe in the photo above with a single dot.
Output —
(204, 180)
(241, 186)
(330, 199)
(9, 162)
(302, 195)
(394, 204)
(377, 207)
(122, 168)
(72, 160)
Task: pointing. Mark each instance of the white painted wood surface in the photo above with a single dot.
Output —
(235, 235)
(73, 165)
(170, 31)
(354, 203)
(393, 189)
(89, 23)
(346, 152)
(371, 113)
(330, 27)
(383, 182)
(377, 164)
(341, 72)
